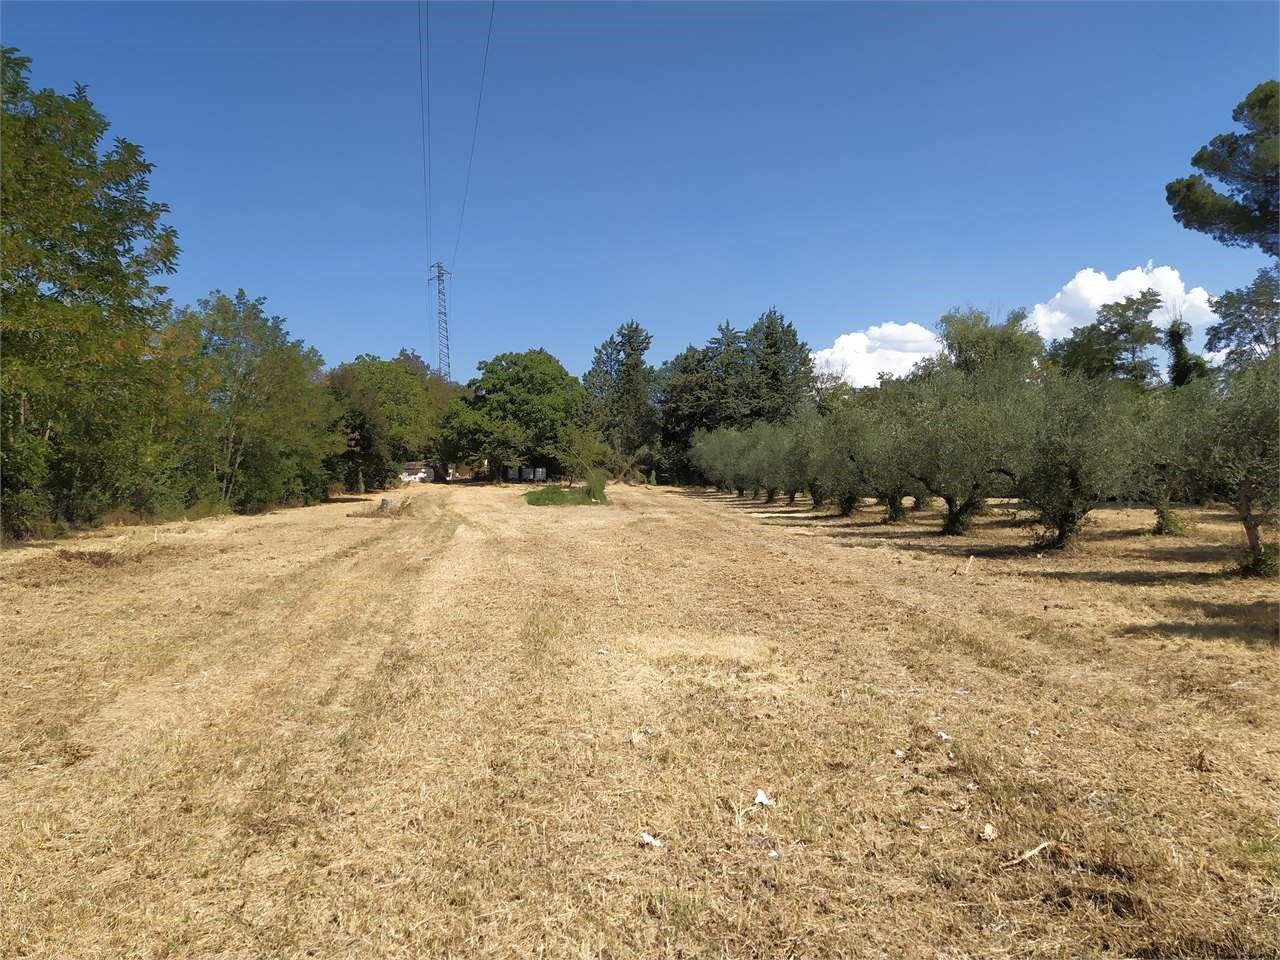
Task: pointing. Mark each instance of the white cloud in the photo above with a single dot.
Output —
(1077, 303)
(859, 356)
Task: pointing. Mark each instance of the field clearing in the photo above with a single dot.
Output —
(443, 733)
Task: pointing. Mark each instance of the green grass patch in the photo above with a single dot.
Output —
(560, 497)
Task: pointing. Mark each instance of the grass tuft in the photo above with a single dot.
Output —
(68, 565)
(402, 509)
(1266, 566)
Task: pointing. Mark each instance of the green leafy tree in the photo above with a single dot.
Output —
(1170, 452)
(780, 372)
(685, 388)
(964, 433)
(889, 411)
(1248, 326)
(733, 387)
(1080, 450)
(1184, 365)
(1116, 344)
(584, 456)
(766, 458)
(81, 242)
(1245, 211)
(266, 423)
(801, 436)
(367, 461)
(521, 412)
(1244, 455)
(392, 412)
(971, 342)
(621, 386)
(413, 398)
(737, 379)
(721, 456)
(840, 460)
(960, 422)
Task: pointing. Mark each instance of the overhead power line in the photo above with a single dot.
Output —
(437, 272)
(424, 119)
(475, 130)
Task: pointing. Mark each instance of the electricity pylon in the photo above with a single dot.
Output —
(438, 273)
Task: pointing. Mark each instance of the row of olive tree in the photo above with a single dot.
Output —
(986, 419)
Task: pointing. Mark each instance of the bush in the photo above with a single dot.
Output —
(562, 497)
(595, 481)
(1169, 523)
(1266, 563)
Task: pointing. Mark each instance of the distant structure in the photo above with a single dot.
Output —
(437, 276)
(417, 471)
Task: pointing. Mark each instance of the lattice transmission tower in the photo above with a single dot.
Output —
(437, 276)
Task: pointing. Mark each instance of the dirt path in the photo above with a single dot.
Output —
(311, 734)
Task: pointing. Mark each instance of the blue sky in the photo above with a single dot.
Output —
(856, 165)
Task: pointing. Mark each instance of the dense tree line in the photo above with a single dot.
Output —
(624, 415)
(390, 412)
(524, 409)
(114, 399)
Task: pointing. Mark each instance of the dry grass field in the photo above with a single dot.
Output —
(442, 733)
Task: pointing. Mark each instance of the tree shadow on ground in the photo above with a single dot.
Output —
(694, 493)
(933, 543)
(1254, 624)
(802, 509)
(1179, 550)
(810, 519)
(1090, 533)
(818, 525)
(920, 532)
(778, 507)
(1128, 577)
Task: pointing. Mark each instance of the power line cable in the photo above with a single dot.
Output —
(424, 120)
(475, 130)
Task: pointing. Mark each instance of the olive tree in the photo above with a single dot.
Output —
(839, 457)
(885, 450)
(764, 458)
(802, 435)
(1169, 455)
(1081, 441)
(1243, 455)
(960, 442)
(718, 455)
